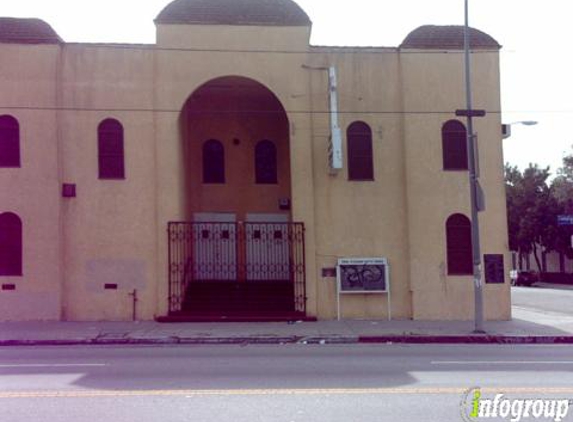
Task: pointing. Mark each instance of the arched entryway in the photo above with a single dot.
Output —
(239, 254)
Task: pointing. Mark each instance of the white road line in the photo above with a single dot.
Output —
(277, 392)
(51, 365)
(501, 362)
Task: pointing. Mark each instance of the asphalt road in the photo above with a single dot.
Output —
(550, 298)
(272, 383)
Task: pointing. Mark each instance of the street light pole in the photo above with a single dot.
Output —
(506, 127)
(476, 250)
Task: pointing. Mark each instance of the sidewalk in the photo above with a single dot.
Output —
(527, 327)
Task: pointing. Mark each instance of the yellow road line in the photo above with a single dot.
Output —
(279, 392)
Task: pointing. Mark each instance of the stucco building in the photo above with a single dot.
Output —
(223, 171)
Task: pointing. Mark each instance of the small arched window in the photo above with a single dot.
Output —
(459, 245)
(360, 160)
(266, 163)
(454, 145)
(9, 142)
(110, 150)
(213, 162)
(10, 245)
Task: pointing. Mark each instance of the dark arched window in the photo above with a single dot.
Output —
(459, 245)
(9, 142)
(266, 163)
(10, 245)
(110, 150)
(360, 160)
(213, 162)
(454, 146)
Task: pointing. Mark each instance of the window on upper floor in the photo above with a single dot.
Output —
(10, 245)
(266, 163)
(459, 245)
(359, 150)
(9, 142)
(213, 162)
(111, 158)
(454, 145)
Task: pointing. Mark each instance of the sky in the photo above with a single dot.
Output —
(536, 59)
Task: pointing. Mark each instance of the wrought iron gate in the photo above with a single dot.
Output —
(255, 268)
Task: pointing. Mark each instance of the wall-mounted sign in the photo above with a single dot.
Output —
(494, 273)
(363, 275)
(329, 272)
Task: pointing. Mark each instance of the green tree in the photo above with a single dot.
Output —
(532, 210)
(562, 187)
(563, 184)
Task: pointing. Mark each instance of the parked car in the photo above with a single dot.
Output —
(524, 278)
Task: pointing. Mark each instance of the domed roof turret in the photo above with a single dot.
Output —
(234, 12)
(27, 31)
(447, 37)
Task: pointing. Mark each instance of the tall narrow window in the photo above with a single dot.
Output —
(9, 142)
(110, 150)
(459, 245)
(10, 245)
(266, 163)
(360, 160)
(213, 162)
(454, 146)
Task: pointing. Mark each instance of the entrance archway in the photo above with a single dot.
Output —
(242, 255)
(224, 121)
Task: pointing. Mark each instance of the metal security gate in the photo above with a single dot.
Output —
(236, 268)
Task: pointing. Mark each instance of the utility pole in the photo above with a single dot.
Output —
(473, 179)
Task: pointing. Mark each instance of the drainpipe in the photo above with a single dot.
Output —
(335, 144)
(335, 147)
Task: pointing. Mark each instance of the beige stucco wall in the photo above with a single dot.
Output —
(115, 231)
(435, 83)
(28, 86)
(110, 227)
(360, 218)
(226, 39)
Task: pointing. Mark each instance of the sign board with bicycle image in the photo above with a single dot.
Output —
(363, 276)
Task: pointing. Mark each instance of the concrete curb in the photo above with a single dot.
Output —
(467, 339)
(310, 340)
(126, 341)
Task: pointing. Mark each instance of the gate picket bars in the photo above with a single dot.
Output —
(224, 258)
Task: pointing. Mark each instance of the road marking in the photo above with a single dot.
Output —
(51, 365)
(501, 362)
(278, 392)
